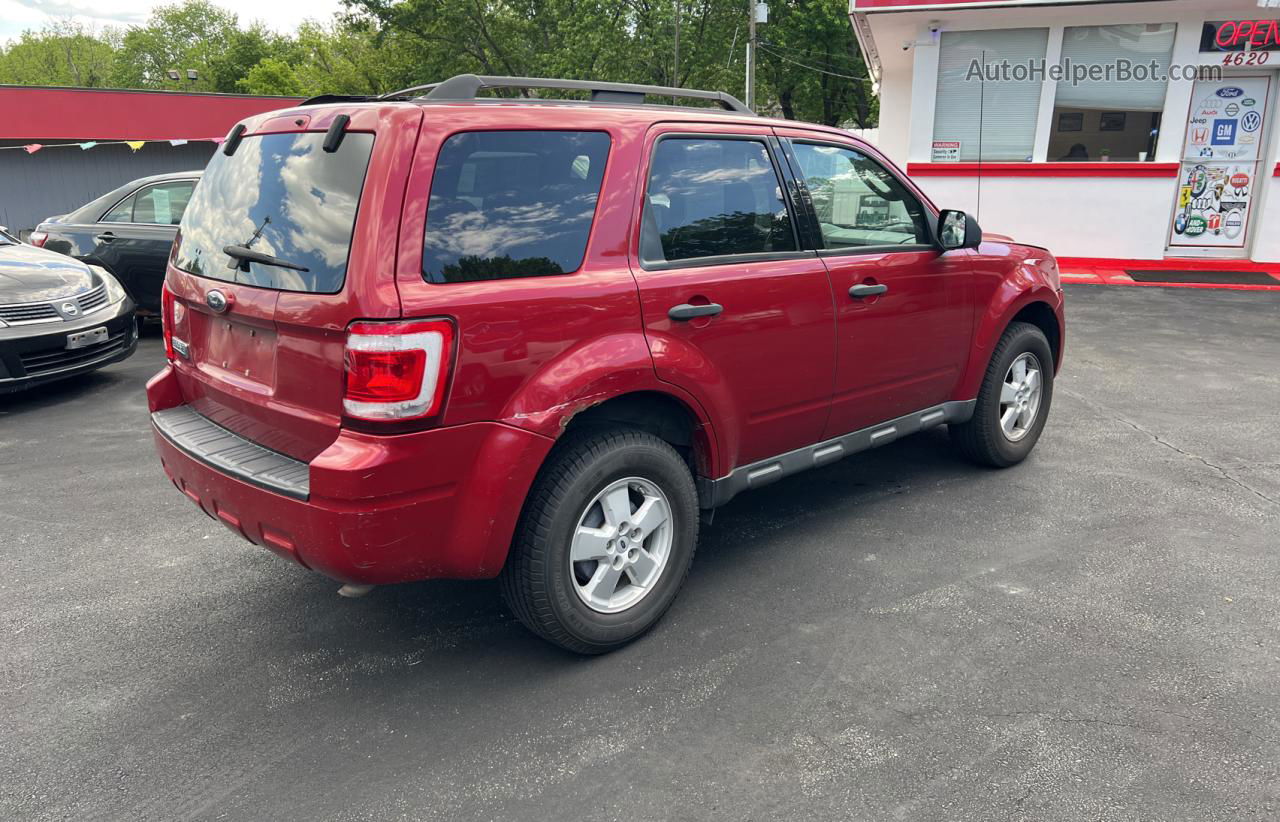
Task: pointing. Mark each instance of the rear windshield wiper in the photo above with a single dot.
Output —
(247, 255)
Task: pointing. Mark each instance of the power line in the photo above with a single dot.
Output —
(821, 58)
(781, 56)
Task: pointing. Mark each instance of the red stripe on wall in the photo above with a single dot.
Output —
(1043, 169)
(97, 114)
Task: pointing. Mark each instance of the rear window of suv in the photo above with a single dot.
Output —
(282, 195)
(512, 204)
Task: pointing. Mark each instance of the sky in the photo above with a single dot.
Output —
(281, 15)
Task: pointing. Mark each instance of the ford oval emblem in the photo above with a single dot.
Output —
(217, 301)
(1230, 91)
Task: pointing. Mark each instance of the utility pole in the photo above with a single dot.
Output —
(751, 55)
(675, 74)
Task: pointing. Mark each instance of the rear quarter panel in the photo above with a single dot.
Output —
(534, 352)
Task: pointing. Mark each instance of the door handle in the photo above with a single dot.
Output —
(864, 290)
(685, 311)
(105, 237)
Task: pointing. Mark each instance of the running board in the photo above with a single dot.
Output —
(714, 493)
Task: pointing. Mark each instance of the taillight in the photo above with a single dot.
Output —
(167, 319)
(38, 238)
(397, 371)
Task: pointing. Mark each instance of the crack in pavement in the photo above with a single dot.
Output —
(1222, 472)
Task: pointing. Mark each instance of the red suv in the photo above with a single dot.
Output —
(453, 335)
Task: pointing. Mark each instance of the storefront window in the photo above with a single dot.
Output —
(1114, 117)
(988, 94)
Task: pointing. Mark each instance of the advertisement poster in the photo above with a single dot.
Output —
(1220, 163)
(1226, 119)
(1213, 205)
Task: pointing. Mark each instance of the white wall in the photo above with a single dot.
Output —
(1121, 217)
(1091, 216)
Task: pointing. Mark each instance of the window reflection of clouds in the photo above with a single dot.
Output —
(299, 201)
(510, 204)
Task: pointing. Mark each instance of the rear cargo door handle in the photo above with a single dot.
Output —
(686, 311)
(105, 237)
(864, 290)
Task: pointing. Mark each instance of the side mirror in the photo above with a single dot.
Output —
(958, 230)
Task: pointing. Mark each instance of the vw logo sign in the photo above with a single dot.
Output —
(217, 301)
(70, 309)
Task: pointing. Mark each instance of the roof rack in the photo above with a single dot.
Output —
(467, 87)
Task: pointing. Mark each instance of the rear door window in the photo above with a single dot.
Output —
(713, 198)
(281, 195)
(512, 204)
(162, 204)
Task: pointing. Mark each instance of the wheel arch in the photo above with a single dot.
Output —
(1040, 306)
(1041, 315)
(659, 413)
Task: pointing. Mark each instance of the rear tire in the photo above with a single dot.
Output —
(1013, 402)
(605, 540)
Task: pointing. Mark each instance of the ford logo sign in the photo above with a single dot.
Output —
(217, 301)
(1230, 91)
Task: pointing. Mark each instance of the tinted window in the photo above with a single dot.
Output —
(512, 204)
(162, 204)
(858, 202)
(709, 198)
(283, 195)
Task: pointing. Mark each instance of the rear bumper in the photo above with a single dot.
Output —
(380, 509)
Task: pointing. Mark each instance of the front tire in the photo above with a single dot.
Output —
(605, 540)
(1013, 402)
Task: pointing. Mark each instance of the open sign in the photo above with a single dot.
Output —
(1237, 35)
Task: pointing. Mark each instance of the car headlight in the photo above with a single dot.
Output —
(115, 291)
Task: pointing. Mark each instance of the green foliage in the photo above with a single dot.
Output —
(808, 64)
(64, 54)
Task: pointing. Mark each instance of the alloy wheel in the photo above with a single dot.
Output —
(1020, 396)
(621, 545)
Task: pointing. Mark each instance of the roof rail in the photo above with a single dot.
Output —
(467, 86)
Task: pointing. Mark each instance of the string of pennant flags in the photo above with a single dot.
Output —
(134, 145)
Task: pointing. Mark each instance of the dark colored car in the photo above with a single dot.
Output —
(58, 317)
(128, 232)
(541, 340)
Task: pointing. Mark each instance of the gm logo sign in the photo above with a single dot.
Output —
(1224, 132)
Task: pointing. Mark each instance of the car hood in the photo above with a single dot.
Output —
(29, 274)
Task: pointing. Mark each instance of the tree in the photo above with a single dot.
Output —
(812, 65)
(62, 54)
(808, 64)
(194, 34)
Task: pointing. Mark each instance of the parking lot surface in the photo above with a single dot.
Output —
(1091, 635)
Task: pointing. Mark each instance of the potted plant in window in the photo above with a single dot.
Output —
(1105, 154)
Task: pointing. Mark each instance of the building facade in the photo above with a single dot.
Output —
(1137, 130)
(178, 132)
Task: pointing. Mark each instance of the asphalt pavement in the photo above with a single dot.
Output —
(1092, 635)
